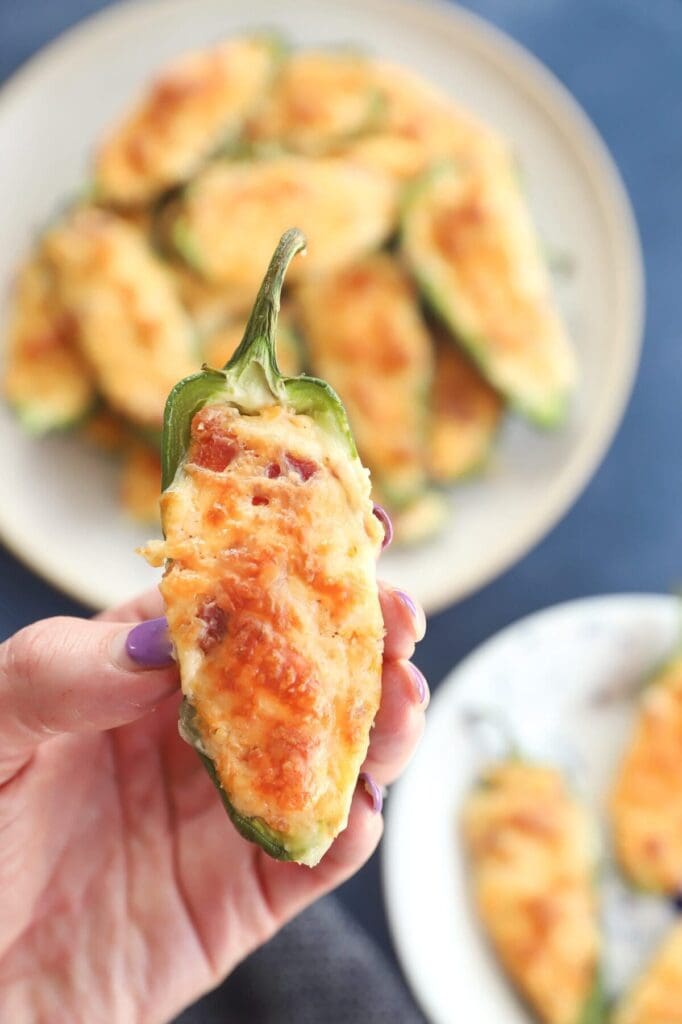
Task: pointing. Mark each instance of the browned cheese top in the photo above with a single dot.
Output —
(272, 603)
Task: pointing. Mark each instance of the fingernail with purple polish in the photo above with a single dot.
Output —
(409, 603)
(373, 790)
(385, 520)
(420, 684)
(149, 645)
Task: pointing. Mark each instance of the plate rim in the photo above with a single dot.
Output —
(441, 698)
(546, 90)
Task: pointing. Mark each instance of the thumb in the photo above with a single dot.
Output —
(66, 675)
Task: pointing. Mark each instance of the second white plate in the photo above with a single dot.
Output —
(565, 681)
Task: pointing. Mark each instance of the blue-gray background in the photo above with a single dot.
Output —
(622, 59)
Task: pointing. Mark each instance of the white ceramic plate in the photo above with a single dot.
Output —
(58, 504)
(566, 682)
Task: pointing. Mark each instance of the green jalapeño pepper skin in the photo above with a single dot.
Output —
(470, 242)
(270, 587)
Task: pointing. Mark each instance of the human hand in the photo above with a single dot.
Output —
(126, 892)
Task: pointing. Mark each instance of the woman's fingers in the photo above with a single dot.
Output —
(399, 723)
(148, 605)
(404, 621)
(71, 675)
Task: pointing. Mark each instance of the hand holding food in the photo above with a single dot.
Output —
(116, 849)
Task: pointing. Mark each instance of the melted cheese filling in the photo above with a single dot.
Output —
(533, 864)
(273, 607)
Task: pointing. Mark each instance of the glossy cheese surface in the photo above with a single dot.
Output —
(273, 607)
(533, 862)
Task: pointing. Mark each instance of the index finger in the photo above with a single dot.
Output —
(147, 605)
(404, 621)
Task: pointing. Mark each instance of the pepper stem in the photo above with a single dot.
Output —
(259, 336)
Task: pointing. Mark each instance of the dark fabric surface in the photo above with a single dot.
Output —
(321, 969)
(622, 59)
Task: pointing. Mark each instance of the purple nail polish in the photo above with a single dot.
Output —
(385, 520)
(409, 603)
(149, 644)
(421, 686)
(373, 790)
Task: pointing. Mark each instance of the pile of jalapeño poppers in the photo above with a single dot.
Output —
(423, 299)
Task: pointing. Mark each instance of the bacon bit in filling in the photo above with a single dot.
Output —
(210, 447)
(215, 625)
(215, 453)
(260, 499)
(273, 471)
(304, 467)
